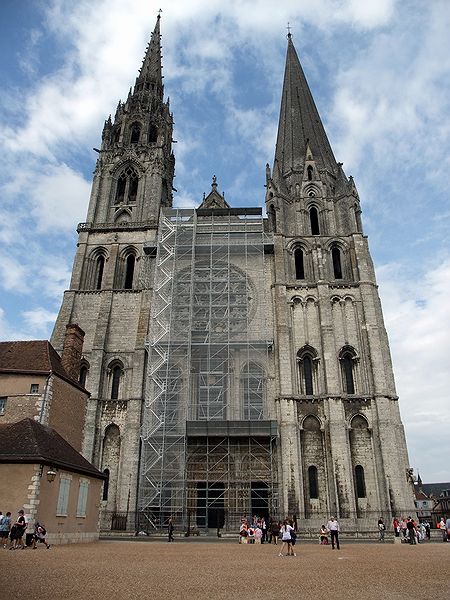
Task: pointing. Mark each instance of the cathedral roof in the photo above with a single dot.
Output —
(300, 123)
(214, 199)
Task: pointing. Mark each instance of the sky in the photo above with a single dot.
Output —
(379, 71)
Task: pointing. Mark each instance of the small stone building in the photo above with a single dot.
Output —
(36, 382)
(50, 480)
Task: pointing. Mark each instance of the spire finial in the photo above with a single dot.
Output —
(289, 35)
(214, 182)
(159, 13)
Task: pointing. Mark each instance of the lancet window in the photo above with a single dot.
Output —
(127, 186)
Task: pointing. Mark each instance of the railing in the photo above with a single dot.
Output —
(152, 223)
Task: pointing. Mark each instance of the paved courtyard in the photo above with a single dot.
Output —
(216, 570)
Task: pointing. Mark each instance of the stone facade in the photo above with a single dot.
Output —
(327, 376)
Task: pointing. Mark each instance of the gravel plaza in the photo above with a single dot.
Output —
(201, 569)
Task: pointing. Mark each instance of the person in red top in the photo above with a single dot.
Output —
(395, 524)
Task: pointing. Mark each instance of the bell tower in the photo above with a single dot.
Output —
(111, 286)
(342, 443)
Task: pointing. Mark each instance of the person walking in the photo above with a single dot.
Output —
(5, 526)
(447, 527)
(286, 537)
(381, 529)
(334, 529)
(170, 529)
(17, 531)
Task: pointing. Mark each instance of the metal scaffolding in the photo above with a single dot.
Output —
(207, 442)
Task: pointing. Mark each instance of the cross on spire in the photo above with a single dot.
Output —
(289, 30)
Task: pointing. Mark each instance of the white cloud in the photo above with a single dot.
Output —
(59, 198)
(417, 315)
(38, 320)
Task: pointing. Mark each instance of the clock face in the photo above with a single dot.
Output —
(213, 300)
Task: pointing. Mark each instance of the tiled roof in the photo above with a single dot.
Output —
(30, 442)
(433, 489)
(36, 356)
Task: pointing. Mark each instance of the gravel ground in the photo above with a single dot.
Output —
(215, 570)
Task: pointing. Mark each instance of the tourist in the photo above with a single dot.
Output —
(443, 529)
(170, 529)
(264, 530)
(404, 528)
(293, 524)
(5, 526)
(258, 534)
(381, 529)
(17, 531)
(334, 529)
(410, 525)
(274, 531)
(323, 535)
(447, 528)
(286, 529)
(39, 536)
(396, 527)
(243, 532)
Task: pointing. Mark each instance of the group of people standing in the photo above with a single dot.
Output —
(15, 530)
(258, 531)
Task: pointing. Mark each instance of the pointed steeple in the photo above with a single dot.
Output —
(300, 123)
(151, 70)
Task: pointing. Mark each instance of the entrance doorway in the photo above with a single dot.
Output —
(210, 505)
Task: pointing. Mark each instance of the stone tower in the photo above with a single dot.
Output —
(342, 442)
(237, 365)
(110, 291)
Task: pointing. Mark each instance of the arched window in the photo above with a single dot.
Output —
(129, 271)
(312, 479)
(337, 265)
(127, 186)
(105, 485)
(299, 264)
(314, 220)
(306, 362)
(84, 369)
(253, 387)
(135, 133)
(99, 267)
(272, 218)
(153, 134)
(116, 374)
(310, 172)
(347, 373)
(360, 482)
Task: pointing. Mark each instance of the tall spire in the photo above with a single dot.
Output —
(151, 70)
(300, 122)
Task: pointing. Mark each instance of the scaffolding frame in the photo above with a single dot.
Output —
(208, 359)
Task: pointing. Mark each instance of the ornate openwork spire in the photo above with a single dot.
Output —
(300, 122)
(151, 70)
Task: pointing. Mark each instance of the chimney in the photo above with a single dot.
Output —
(72, 350)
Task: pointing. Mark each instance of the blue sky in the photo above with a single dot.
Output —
(380, 74)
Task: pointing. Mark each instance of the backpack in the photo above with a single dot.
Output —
(42, 531)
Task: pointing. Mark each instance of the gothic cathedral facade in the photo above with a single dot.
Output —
(237, 364)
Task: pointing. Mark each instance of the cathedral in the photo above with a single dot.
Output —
(238, 363)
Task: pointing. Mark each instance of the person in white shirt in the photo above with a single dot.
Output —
(334, 529)
(286, 537)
